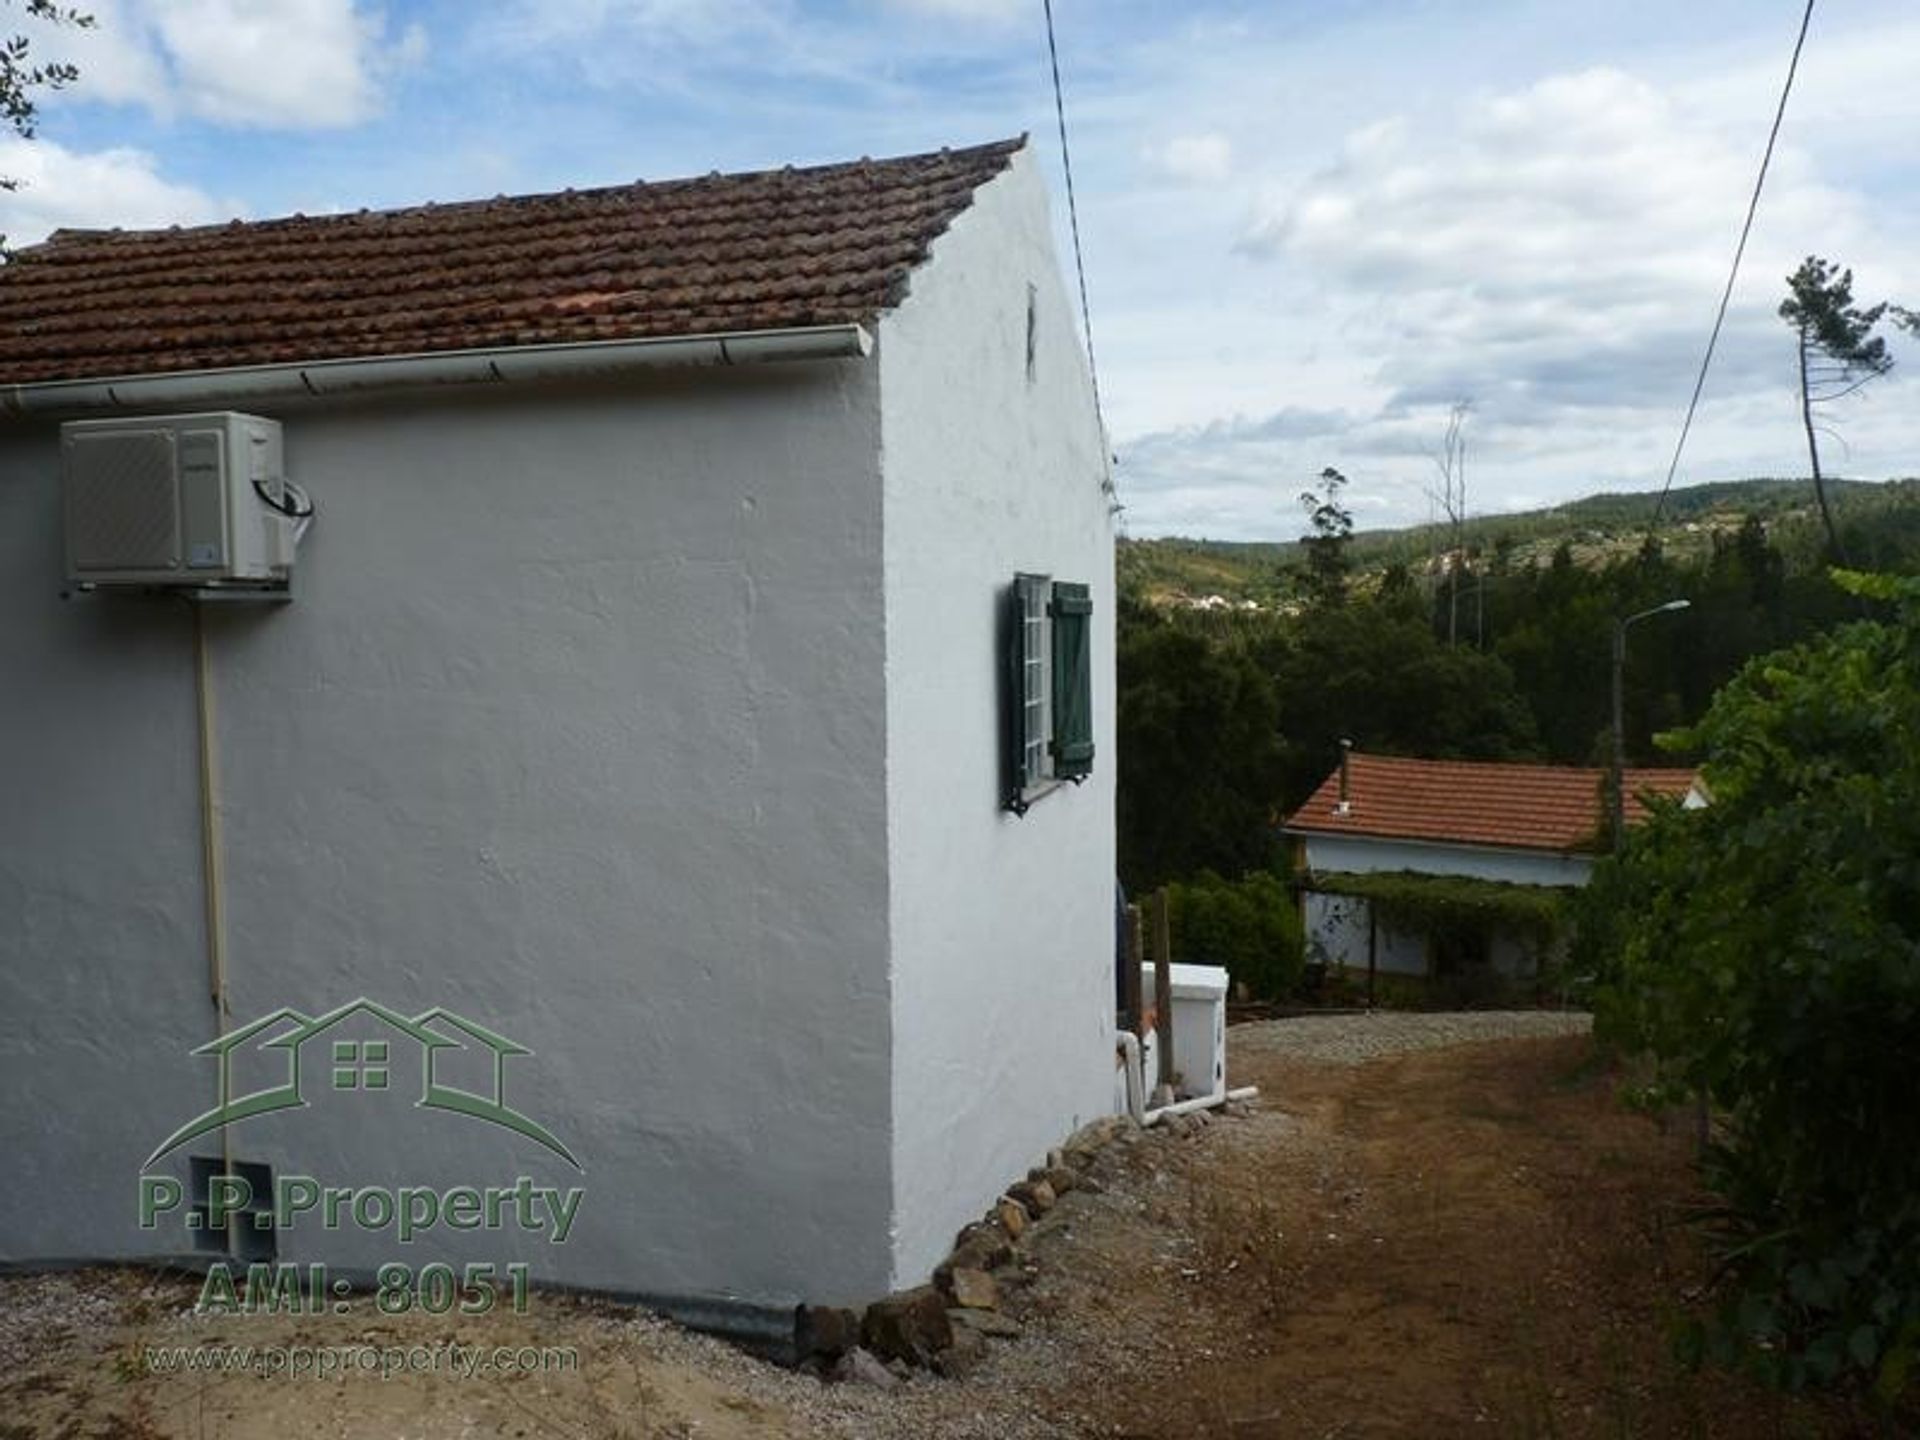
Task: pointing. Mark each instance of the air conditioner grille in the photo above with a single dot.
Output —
(122, 509)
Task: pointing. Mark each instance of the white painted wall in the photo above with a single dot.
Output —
(578, 728)
(1002, 926)
(646, 723)
(1337, 934)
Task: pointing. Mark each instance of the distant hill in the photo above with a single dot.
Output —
(1597, 530)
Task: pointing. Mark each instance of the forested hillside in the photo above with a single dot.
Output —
(1597, 530)
(1228, 718)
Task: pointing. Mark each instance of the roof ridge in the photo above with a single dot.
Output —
(1548, 766)
(70, 237)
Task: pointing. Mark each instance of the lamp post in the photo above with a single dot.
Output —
(1619, 795)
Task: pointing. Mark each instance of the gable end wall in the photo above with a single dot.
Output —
(1001, 927)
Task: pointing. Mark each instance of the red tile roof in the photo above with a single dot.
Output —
(776, 249)
(1532, 807)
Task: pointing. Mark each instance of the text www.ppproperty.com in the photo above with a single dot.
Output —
(327, 1362)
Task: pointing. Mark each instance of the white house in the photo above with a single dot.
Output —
(1378, 816)
(685, 718)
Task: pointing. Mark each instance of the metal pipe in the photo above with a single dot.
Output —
(1130, 1061)
(500, 365)
(1616, 792)
(212, 849)
(1617, 795)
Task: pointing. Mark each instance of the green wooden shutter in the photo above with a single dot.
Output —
(1013, 710)
(1072, 613)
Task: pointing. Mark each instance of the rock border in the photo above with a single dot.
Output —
(944, 1325)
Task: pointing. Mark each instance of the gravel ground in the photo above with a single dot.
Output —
(1112, 1260)
(1356, 1039)
(1076, 1333)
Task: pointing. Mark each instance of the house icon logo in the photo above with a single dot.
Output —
(363, 1064)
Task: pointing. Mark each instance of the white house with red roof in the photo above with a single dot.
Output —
(670, 625)
(1496, 823)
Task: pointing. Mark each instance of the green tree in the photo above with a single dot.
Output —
(1328, 562)
(1378, 675)
(1199, 749)
(1766, 952)
(1838, 354)
(1250, 928)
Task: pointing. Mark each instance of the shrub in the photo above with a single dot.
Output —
(1249, 926)
(1766, 952)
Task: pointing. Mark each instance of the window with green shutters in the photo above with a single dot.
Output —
(1048, 642)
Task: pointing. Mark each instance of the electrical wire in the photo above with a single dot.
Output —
(1073, 225)
(1720, 317)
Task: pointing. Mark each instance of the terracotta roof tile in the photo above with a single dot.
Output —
(1533, 807)
(774, 249)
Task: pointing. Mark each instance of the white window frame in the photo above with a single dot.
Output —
(1036, 682)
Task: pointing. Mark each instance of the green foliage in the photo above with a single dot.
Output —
(1377, 674)
(1199, 746)
(1456, 907)
(1599, 531)
(1821, 311)
(1248, 926)
(1328, 563)
(1228, 719)
(1460, 918)
(1766, 952)
(1163, 569)
(1837, 351)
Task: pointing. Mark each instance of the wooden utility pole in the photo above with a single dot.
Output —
(1163, 984)
(1132, 1008)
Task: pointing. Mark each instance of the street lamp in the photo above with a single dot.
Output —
(1619, 795)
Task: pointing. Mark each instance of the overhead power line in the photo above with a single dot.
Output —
(1073, 225)
(1740, 250)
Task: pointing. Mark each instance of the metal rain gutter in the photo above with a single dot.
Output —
(500, 365)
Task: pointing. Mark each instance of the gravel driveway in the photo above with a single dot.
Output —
(1355, 1039)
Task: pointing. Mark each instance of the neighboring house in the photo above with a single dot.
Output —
(1500, 824)
(706, 604)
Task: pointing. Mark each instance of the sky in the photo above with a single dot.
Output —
(1311, 227)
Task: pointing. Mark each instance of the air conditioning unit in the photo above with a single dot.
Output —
(184, 501)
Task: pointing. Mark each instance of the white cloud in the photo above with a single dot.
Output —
(297, 63)
(996, 10)
(1194, 159)
(59, 187)
(662, 22)
(115, 54)
(1553, 253)
(293, 64)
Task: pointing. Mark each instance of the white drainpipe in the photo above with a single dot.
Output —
(504, 365)
(1202, 1102)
